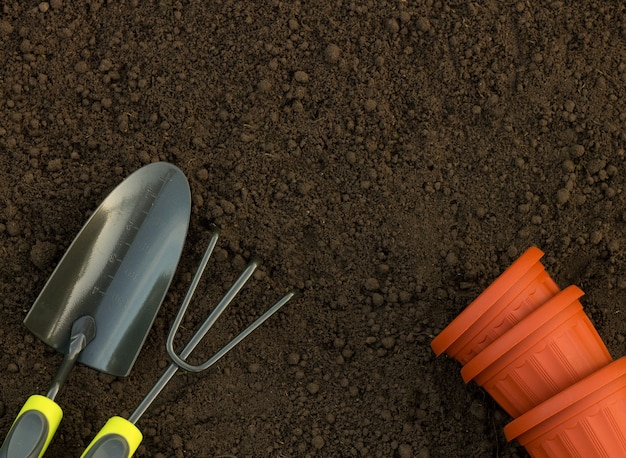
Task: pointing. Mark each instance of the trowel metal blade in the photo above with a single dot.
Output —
(118, 269)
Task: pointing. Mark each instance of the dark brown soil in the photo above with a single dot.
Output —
(388, 158)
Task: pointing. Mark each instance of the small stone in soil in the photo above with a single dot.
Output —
(264, 85)
(372, 284)
(293, 359)
(388, 342)
(5, 28)
(392, 26)
(13, 228)
(301, 77)
(42, 254)
(317, 442)
(405, 451)
(332, 53)
(423, 24)
(202, 174)
(81, 67)
(313, 388)
(562, 196)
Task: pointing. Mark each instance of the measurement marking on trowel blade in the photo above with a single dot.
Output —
(149, 193)
(97, 290)
(133, 226)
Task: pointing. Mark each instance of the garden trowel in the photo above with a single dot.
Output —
(101, 300)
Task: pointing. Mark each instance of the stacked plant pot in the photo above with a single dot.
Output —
(531, 346)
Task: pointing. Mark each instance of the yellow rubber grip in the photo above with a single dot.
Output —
(118, 435)
(33, 428)
(50, 409)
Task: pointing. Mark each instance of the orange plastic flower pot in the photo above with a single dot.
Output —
(521, 288)
(546, 352)
(586, 419)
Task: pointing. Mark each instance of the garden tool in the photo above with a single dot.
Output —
(101, 300)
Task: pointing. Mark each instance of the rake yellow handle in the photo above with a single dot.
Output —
(33, 429)
(118, 438)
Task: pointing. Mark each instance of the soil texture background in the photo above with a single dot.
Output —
(388, 158)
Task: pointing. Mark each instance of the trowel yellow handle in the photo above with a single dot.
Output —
(33, 428)
(119, 438)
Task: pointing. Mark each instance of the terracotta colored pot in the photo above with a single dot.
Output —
(587, 419)
(521, 288)
(546, 352)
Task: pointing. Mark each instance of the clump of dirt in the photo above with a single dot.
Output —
(388, 158)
